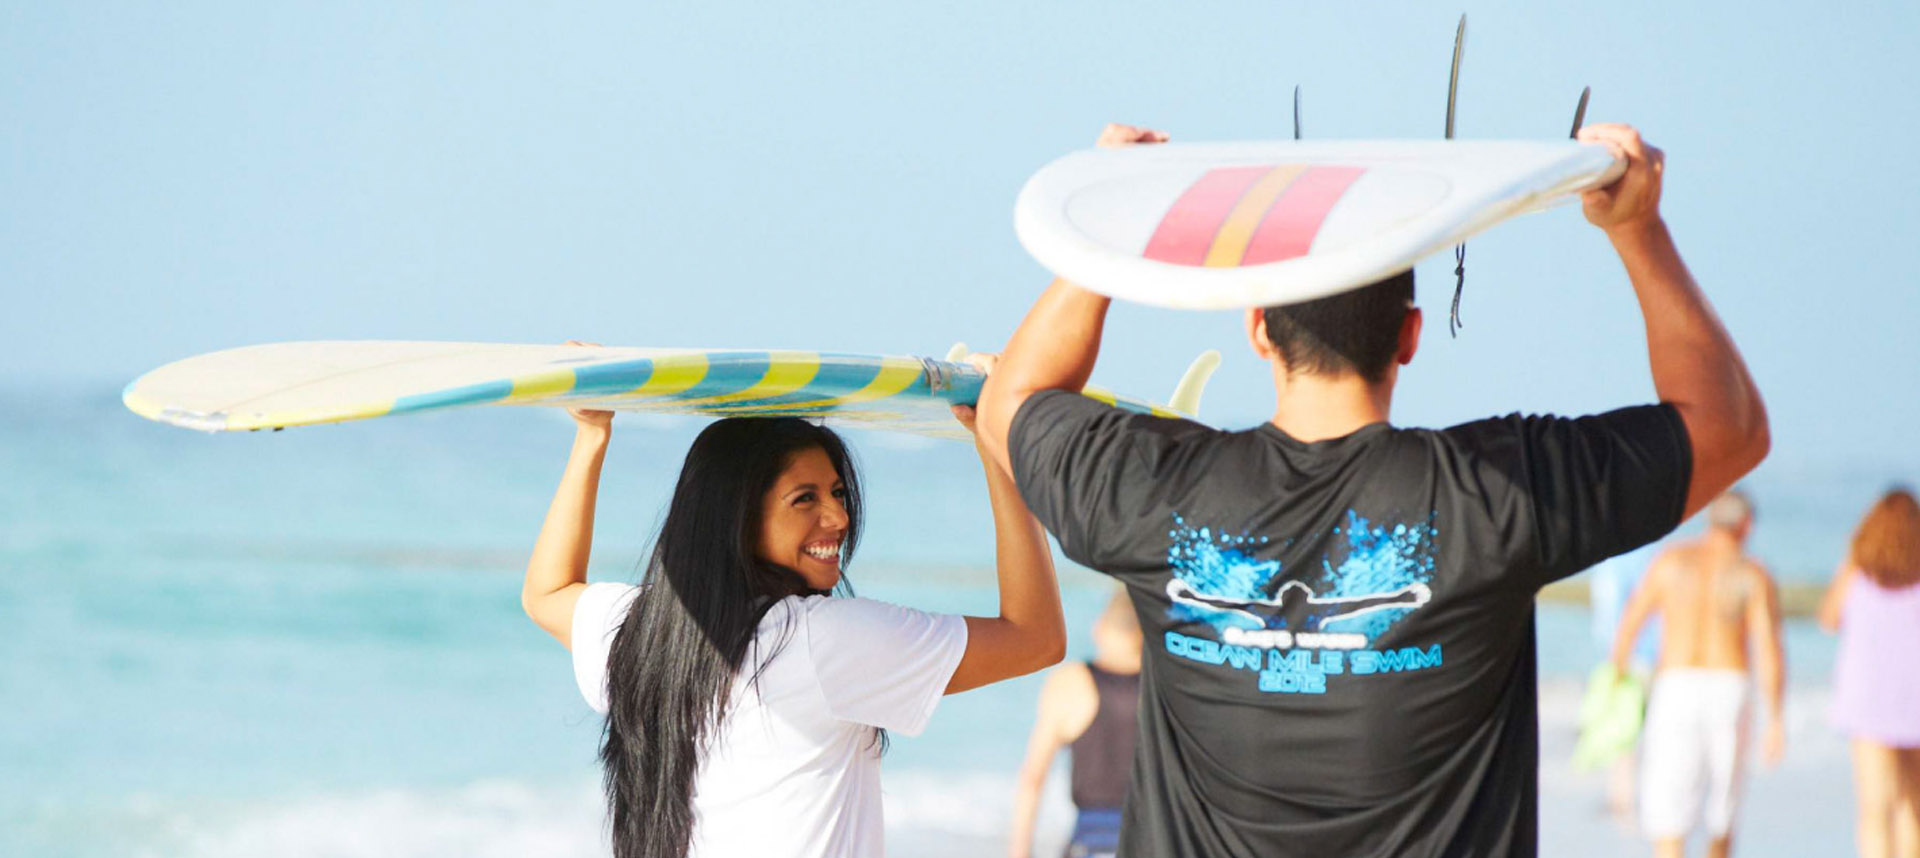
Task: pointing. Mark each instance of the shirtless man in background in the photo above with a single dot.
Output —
(1716, 605)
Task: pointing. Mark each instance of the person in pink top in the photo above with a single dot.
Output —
(1874, 603)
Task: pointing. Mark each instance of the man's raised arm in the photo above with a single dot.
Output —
(1055, 346)
(1696, 367)
(1053, 349)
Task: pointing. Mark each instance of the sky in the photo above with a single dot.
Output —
(185, 177)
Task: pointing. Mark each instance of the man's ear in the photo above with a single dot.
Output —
(1409, 336)
(1257, 333)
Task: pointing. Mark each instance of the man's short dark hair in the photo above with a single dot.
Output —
(1356, 331)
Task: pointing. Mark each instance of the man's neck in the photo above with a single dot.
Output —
(1311, 407)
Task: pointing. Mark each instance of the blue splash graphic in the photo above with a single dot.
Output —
(1217, 567)
(1377, 560)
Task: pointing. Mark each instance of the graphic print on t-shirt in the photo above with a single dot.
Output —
(1294, 630)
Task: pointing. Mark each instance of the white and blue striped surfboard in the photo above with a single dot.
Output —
(301, 384)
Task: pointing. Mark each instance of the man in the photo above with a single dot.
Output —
(1716, 605)
(1406, 730)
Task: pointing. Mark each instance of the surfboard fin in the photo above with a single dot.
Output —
(1186, 394)
(1296, 111)
(1453, 79)
(1459, 250)
(1580, 113)
(958, 353)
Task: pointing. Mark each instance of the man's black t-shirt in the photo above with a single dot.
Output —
(1339, 634)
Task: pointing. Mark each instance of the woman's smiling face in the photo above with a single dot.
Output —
(803, 519)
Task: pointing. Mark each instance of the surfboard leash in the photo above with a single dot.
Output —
(1459, 250)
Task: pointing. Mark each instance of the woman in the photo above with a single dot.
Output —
(1090, 706)
(1874, 603)
(745, 706)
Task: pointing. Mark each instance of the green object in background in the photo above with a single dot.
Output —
(1610, 716)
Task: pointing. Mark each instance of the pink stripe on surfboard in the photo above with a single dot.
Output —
(1186, 231)
(1289, 227)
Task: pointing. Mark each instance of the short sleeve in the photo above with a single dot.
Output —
(1593, 487)
(882, 664)
(1087, 469)
(597, 616)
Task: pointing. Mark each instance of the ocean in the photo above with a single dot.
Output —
(309, 643)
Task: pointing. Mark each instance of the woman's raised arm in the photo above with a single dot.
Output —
(557, 571)
(1030, 633)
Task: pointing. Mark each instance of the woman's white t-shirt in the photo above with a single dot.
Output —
(795, 766)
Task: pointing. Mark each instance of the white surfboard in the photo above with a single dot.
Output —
(1229, 225)
(280, 385)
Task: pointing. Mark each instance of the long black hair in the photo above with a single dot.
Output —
(692, 624)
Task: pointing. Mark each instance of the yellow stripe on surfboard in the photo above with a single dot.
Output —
(895, 375)
(672, 375)
(540, 386)
(786, 373)
(1108, 397)
(1230, 243)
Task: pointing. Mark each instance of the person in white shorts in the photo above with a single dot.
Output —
(1716, 604)
(746, 703)
(1690, 751)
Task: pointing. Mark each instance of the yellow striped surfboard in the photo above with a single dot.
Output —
(306, 383)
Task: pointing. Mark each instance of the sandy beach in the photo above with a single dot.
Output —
(1804, 807)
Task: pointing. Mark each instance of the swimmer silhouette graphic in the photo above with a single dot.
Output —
(1292, 605)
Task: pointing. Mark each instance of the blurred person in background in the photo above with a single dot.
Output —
(1614, 704)
(1089, 706)
(1874, 603)
(1717, 605)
